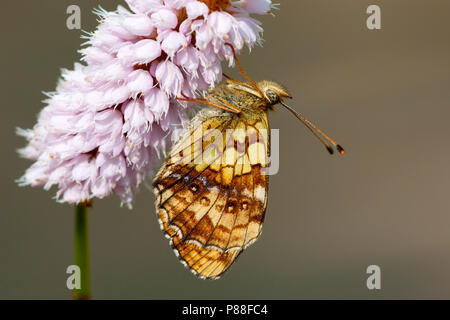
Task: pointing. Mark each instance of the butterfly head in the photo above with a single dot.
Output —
(273, 92)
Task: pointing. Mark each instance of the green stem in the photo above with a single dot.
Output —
(81, 239)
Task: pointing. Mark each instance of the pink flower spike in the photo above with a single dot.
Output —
(134, 115)
(196, 9)
(111, 117)
(221, 23)
(164, 19)
(84, 169)
(139, 81)
(176, 4)
(258, 6)
(157, 101)
(144, 6)
(169, 77)
(139, 24)
(141, 52)
(189, 60)
(173, 42)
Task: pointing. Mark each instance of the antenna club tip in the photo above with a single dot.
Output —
(330, 150)
(340, 149)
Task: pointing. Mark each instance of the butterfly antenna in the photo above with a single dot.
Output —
(316, 131)
(243, 72)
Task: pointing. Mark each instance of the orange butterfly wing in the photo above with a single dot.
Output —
(211, 194)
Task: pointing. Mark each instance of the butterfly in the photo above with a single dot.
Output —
(211, 192)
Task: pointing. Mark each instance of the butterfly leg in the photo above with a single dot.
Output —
(227, 76)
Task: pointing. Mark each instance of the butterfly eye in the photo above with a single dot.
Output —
(272, 96)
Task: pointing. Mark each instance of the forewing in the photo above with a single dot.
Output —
(212, 207)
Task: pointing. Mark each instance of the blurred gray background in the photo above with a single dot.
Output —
(383, 94)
